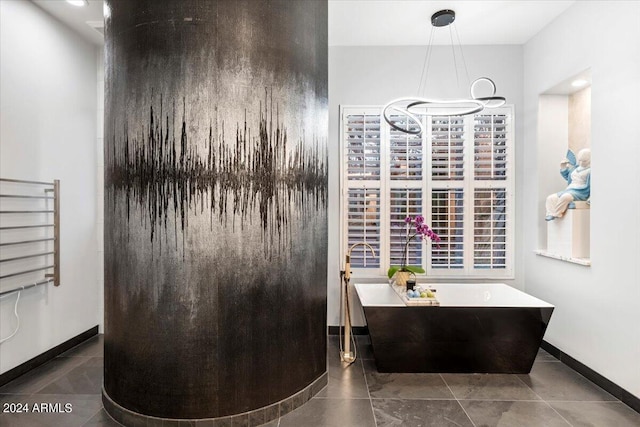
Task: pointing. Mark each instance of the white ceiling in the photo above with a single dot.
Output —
(77, 17)
(408, 22)
(387, 22)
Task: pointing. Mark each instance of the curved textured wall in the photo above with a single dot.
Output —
(215, 204)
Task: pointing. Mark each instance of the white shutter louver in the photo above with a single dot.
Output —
(362, 147)
(406, 152)
(363, 225)
(447, 220)
(490, 147)
(447, 148)
(490, 228)
(403, 203)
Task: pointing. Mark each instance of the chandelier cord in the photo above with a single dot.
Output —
(455, 28)
(453, 50)
(425, 65)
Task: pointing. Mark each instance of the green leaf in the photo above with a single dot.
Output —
(414, 269)
(392, 270)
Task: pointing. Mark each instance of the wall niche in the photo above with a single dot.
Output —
(564, 123)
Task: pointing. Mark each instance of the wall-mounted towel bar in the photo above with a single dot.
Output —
(30, 203)
(26, 256)
(23, 287)
(22, 181)
(23, 212)
(17, 196)
(22, 242)
(18, 227)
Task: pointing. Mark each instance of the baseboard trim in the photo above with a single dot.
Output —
(25, 367)
(607, 385)
(355, 330)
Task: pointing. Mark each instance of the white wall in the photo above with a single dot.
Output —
(375, 75)
(48, 131)
(597, 308)
(552, 143)
(100, 183)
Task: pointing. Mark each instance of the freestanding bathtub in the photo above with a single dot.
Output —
(478, 328)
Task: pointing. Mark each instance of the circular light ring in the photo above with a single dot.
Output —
(402, 111)
(479, 80)
(486, 101)
(476, 106)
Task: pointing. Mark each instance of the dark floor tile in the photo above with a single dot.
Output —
(556, 381)
(333, 346)
(405, 386)
(333, 349)
(93, 347)
(489, 413)
(544, 356)
(596, 414)
(319, 412)
(41, 376)
(84, 379)
(365, 350)
(345, 381)
(131, 419)
(102, 419)
(51, 411)
(488, 386)
(419, 413)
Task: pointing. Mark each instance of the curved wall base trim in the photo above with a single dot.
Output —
(252, 418)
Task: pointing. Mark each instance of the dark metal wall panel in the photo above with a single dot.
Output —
(215, 203)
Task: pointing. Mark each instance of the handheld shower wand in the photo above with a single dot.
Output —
(346, 355)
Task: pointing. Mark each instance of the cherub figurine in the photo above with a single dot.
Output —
(578, 175)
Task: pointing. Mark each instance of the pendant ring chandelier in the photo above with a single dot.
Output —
(414, 108)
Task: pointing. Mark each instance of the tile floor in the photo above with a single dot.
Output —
(356, 396)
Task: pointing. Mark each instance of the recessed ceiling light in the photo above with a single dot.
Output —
(79, 3)
(579, 83)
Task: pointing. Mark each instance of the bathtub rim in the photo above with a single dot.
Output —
(382, 295)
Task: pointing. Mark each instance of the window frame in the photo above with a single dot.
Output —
(469, 184)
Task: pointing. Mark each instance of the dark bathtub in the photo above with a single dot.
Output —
(478, 328)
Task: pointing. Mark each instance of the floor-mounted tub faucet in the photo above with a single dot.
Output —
(346, 355)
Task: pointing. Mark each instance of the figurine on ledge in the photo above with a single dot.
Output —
(578, 175)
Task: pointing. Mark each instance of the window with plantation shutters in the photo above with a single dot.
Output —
(491, 212)
(447, 220)
(447, 148)
(489, 228)
(363, 225)
(490, 147)
(362, 137)
(406, 154)
(403, 202)
(362, 169)
(457, 174)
